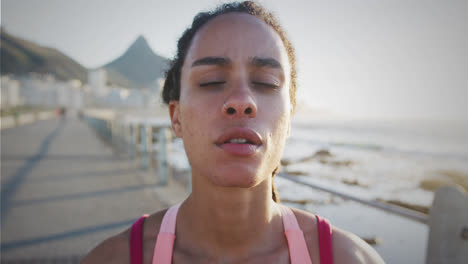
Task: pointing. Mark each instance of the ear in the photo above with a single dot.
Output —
(174, 112)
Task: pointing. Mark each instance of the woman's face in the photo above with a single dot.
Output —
(234, 108)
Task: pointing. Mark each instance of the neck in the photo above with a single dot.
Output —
(227, 221)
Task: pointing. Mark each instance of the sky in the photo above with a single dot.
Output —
(387, 59)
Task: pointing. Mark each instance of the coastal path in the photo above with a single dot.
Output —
(63, 190)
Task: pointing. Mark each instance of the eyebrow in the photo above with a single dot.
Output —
(265, 62)
(217, 61)
(222, 61)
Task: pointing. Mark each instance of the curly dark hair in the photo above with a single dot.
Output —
(171, 88)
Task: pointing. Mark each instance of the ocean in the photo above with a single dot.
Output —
(388, 160)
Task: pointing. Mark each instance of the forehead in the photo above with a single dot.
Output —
(237, 36)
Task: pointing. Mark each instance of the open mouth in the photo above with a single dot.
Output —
(240, 141)
(239, 135)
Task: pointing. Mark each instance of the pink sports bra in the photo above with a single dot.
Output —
(298, 251)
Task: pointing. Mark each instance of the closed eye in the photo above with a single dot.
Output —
(212, 83)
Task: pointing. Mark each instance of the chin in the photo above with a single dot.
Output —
(236, 178)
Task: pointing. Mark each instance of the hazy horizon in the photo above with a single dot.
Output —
(361, 59)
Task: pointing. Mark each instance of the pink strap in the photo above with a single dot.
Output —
(165, 241)
(325, 240)
(136, 241)
(298, 251)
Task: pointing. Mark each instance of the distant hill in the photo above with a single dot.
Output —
(139, 65)
(19, 57)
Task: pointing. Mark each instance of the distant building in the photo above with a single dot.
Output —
(135, 99)
(157, 86)
(70, 94)
(10, 92)
(153, 98)
(97, 81)
(40, 90)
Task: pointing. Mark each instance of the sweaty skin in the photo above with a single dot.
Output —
(201, 115)
(234, 89)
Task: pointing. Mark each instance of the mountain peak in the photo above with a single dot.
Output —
(140, 44)
(139, 64)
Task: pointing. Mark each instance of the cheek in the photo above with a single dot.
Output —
(281, 133)
(279, 119)
(191, 134)
(194, 123)
(188, 121)
(278, 114)
(283, 122)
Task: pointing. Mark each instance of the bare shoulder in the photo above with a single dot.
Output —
(116, 249)
(306, 220)
(112, 250)
(308, 224)
(349, 248)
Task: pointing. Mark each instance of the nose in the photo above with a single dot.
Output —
(240, 104)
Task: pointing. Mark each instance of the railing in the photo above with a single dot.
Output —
(134, 135)
(447, 220)
(401, 211)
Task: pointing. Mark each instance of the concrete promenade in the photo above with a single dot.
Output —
(63, 190)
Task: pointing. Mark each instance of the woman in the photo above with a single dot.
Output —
(231, 91)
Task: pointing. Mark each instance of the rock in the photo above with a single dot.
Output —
(372, 240)
(285, 162)
(354, 182)
(323, 153)
(296, 173)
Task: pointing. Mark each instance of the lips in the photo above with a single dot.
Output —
(239, 141)
(233, 134)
